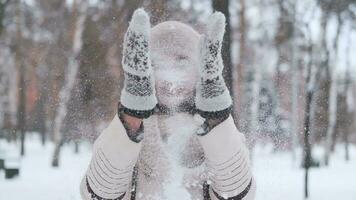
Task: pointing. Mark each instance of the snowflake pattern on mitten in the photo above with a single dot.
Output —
(139, 86)
(138, 94)
(212, 85)
(212, 97)
(136, 52)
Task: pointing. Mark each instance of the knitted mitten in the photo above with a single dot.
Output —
(138, 95)
(213, 99)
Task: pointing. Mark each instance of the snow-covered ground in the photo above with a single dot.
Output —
(278, 176)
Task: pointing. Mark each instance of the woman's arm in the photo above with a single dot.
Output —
(116, 150)
(227, 157)
(114, 157)
(228, 162)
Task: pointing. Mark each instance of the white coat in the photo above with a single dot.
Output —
(171, 164)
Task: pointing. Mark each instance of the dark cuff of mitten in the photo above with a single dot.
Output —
(135, 136)
(96, 197)
(142, 114)
(237, 197)
(209, 124)
(216, 114)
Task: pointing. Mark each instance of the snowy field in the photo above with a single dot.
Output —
(278, 176)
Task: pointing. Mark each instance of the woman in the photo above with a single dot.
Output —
(173, 136)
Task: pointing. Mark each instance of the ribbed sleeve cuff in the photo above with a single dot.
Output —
(106, 180)
(231, 178)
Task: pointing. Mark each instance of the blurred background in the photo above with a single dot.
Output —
(290, 66)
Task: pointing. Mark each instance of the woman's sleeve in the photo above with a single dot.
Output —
(228, 162)
(110, 171)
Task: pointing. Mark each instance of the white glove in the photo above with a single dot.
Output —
(138, 95)
(212, 99)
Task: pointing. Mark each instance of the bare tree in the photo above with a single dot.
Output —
(4, 76)
(331, 131)
(345, 109)
(238, 83)
(329, 8)
(72, 69)
(295, 75)
(321, 101)
(312, 73)
(223, 6)
(158, 10)
(20, 65)
(349, 103)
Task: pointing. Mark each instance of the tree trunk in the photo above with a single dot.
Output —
(332, 119)
(331, 133)
(294, 105)
(347, 151)
(55, 159)
(310, 90)
(223, 6)
(158, 11)
(346, 112)
(306, 146)
(349, 101)
(76, 147)
(283, 44)
(41, 112)
(322, 104)
(238, 80)
(336, 50)
(21, 112)
(70, 76)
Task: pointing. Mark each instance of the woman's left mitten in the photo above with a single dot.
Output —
(213, 99)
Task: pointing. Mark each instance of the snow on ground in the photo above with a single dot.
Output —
(38, 180)
(278, 176)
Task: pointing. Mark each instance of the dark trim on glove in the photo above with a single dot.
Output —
(215, 114)
(96, 197)
(142, 114)
(237, 197)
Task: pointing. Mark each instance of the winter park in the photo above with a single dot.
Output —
(177, 100)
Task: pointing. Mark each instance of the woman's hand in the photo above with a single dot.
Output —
(213, 99)
(138, 97)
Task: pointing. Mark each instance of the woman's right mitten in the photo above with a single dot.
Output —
(138, 97)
